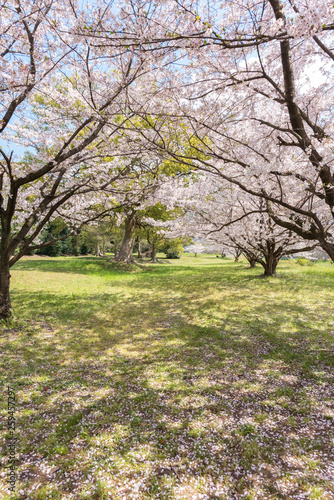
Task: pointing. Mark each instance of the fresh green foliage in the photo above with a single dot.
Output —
(188, 379)
(173, 249)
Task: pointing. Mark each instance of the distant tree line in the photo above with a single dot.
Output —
(101, 239)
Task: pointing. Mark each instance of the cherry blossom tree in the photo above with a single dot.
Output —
(255, 92)
(64, 102)
(195, 248)
(155, 226)
(226, 88)
(221, 214)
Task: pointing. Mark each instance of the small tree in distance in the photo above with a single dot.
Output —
(195, 248)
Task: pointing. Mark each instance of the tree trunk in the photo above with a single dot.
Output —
(271, 260)
(250, 258)
(98, 249)
(140, 255)
(237, 254)
(270, 268)
(126, 250)
(104, 247)
(329, 249)
(154, 254)
(5, 305)
(5, 256)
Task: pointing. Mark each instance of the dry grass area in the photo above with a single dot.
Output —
(189, 379)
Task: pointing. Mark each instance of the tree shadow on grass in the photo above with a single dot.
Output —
(104, 265)
(173, 385)
(75, 265)
(140, 388)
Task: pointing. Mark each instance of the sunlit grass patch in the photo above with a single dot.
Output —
(190, 379)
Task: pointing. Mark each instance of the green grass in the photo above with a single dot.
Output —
(186, 379)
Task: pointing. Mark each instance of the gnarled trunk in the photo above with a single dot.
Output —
(270, 267)
(272, 257)
(126, 250)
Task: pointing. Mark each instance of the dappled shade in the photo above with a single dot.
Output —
(171, 381)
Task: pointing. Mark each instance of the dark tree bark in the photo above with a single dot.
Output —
(5, 305)
(5, 255)
(126, 250)
(329, 248)
(271, 259)
(270, 266)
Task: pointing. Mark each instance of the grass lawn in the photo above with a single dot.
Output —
(187, 379)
